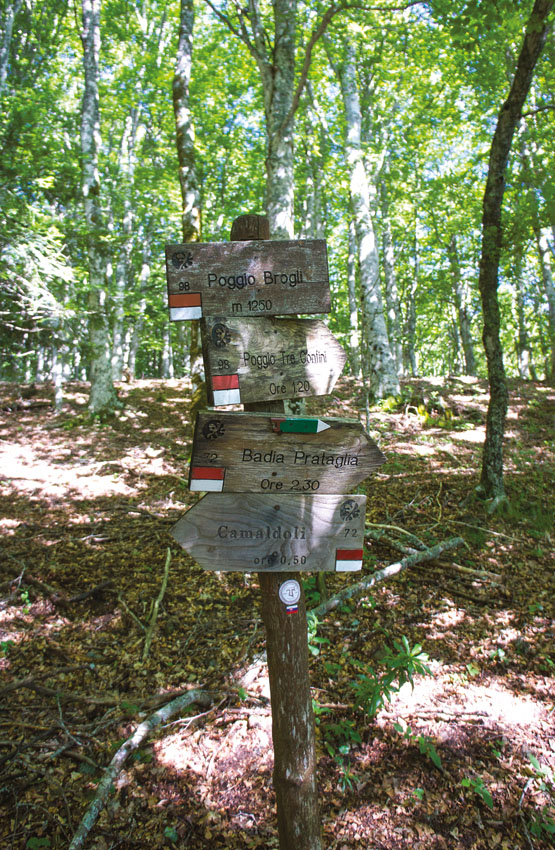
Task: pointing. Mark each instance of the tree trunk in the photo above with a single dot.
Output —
(391, 293)
(188, 180)
(461, 293)
(354, 335)
(102, 399)
(547, 278)
(185, 134)
(491, 481)
(409, 348)
(523, 349)
(124, 283)
(166, 364)
(380, 367)
(278, 101)
(138, 324)
(10, 13)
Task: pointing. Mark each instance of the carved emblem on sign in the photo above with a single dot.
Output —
(220, 335)
(349, 510)
(182, 260)
(213, 429)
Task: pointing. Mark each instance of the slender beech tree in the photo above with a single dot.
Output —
(544, 256)
(275, 54)
(537, 27)
(462, 296)
(102, 399)
(380, 365)
(390, 280)
(7, 20)
(188, 178)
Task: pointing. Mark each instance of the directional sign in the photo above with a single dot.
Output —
(260, 278)
(265, 533)
(260, 359)
(255, 453)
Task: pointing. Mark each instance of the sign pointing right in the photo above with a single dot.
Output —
(249, 360)
(258, 452)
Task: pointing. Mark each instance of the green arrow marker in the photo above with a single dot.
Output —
(299, 426)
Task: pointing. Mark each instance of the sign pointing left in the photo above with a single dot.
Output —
(265, 533)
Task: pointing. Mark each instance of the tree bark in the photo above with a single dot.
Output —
(354, 335)
(124, 283)
(380, 365)
(523, 349)
(10, 13)
(549, 288)
(461, 293)
(392, 301)
(537, 27)
(102, 398)
(185, 134)
(188, 179)
(275, 58)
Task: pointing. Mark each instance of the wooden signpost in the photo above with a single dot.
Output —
(249, 360)
(261, 534)
(261, 453)
(256, 278)
(293, 471)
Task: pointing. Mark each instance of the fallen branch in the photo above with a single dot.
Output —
(361, 588)
(152, 625)
(57, 598)
(106, 784)
(29, 681)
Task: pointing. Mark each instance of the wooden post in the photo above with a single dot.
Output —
(287, 653)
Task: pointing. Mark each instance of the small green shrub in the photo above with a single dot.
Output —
(373, 689)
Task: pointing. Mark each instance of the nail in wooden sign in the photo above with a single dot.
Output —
(249, 360)
(265, 533)
(258, 453)
(247, 278)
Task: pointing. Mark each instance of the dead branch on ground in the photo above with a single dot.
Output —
(142, 731)
(152, 624)
(362, 587)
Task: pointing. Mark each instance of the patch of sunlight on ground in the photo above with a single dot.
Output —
(25, 471)
(244, 747)
(476, 435)
(495, 705)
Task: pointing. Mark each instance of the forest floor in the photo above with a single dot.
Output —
(466, 759)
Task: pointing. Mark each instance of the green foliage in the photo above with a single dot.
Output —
(425, 744)
(429, 88)
(26, 600)
(373, 689)
(477, 786)
(339, 739)
(542, 821)
(170, 832)
(314, 641)
(35, 843)
(6, 647)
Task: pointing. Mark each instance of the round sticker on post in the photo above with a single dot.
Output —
(290, 593)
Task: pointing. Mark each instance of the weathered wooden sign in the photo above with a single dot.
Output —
(265, 533)
(247, 278)
(249, 360)
(258, 452)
